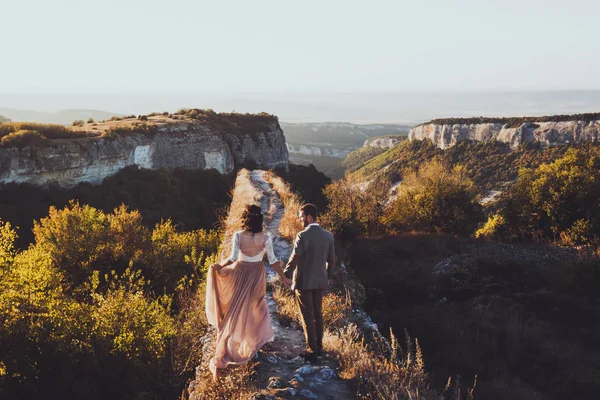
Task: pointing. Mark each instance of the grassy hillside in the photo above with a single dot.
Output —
(488, 164)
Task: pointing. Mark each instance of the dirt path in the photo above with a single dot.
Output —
(281, 370)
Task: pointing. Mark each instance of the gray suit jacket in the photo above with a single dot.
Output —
(312, 260)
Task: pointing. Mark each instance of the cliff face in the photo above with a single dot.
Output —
(176, 144)
(384, 142)
(311, 150)
(548, 133)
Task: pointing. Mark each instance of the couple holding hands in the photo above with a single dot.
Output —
(236, 288)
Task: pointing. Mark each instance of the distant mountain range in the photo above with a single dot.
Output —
(63, 117)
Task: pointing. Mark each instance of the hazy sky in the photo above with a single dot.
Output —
(190, 46)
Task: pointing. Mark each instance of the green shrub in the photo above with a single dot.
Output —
(90, 120)
(493, 227)
(130, 323)
(435, 199)
(75, 327)
(78, 122)
(353, 212)
(558, 198)
(74, 238)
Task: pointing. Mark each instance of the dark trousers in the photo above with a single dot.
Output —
(310, 303)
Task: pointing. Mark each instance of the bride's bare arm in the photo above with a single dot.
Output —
(235, 248)
(278, 268)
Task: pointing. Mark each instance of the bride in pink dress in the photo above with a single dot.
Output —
(235, 295)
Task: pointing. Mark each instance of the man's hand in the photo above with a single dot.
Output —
(217, 267)
(287, 282)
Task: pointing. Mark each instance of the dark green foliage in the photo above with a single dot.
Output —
(522, 318)
(515, 122)
(308, 182)
(191, 199)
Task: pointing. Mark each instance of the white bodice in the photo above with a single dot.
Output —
(237, 254)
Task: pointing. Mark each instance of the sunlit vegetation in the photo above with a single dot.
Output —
(227, 123)
(290, 224)
(558, 201)
(191, 199)
(92, 308)
(232, 123)
(488, 164)
(435, 198)
(357, 158)
(22, 138)
(47, 131)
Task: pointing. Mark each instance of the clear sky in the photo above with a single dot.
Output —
(190, 46)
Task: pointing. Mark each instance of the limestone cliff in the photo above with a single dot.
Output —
(384, 142)
(315, 150)
(168, 142)
(547, 130)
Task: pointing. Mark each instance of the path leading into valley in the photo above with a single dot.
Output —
(282, 372)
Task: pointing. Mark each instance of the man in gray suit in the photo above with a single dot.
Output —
(310, 267)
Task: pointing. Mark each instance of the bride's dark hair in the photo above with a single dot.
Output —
(252, 219)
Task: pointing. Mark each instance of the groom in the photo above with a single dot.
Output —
(310, 267)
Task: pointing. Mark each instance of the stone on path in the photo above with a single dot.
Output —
(308, 394)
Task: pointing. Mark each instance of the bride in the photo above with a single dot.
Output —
(235, 295)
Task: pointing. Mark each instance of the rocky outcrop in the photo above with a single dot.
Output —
(549, 133)
(384, 142)
(173, 144)
(312, 150)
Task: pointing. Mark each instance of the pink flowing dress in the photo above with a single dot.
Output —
(235, 302)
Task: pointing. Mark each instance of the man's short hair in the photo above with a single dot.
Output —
(309, 209)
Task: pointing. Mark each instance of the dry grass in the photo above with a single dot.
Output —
(382, 370)
(238, 382)
(290, 225)
(244, 193)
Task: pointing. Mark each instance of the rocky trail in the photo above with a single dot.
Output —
(280, 369)
(282, 372)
